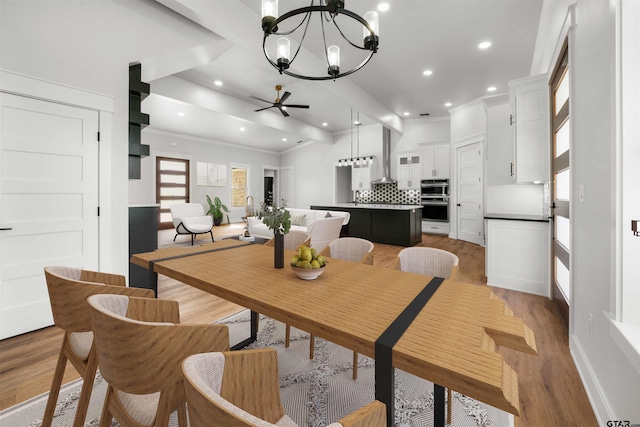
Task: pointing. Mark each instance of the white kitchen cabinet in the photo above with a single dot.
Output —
(409, 171)
(517, 255)
(361, 177)
(529, 99)
(435, 162)
(500, 164)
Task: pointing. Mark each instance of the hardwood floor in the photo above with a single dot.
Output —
(551, 393)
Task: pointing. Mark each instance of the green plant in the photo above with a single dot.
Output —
(276, 218)
(216, 209)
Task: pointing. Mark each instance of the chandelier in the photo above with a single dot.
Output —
(327, 11)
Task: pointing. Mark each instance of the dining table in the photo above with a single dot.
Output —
(444, 331)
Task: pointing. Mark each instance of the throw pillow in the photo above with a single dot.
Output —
(298, 220)
(328, 215)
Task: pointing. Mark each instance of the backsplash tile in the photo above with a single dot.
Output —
(389, 193)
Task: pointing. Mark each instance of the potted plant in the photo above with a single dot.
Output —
(216, 209)
(278, 219)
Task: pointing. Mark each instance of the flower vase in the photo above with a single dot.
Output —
(278, 253)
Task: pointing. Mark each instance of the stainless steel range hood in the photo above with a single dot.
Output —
(386, 158)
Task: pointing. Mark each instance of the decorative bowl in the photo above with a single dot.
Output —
(308, 273)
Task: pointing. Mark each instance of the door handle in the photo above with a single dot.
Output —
(459, 204)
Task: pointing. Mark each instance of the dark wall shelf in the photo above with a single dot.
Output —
(143, 237)
(138, 91)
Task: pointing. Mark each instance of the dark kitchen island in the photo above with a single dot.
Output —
(399, 225)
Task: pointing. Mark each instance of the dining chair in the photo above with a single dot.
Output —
(352, 249)
(189, 218)
(68, 289)
(241, 389)
(430, 262)
(140, 345)
(325, 230)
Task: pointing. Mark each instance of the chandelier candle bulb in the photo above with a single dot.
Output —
(284, 53)
(333, 56)
(371, 42)
(269, 14)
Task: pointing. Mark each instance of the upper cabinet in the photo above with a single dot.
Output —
(500, 152)
(409, 171)
(435, 162)
(361, 176)
(529, 98)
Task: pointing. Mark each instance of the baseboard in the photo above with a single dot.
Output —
(595, 394)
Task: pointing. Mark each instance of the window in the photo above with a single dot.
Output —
(172, 186)
(239, 186)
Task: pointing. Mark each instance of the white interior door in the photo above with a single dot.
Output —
(48, 203)
(286, 188)
(469, 193)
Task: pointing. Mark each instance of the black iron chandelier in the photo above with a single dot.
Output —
(328, 11)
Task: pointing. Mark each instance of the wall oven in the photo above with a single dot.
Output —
(434, 198)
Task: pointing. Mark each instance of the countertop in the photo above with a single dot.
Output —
(374, 206)
(516, 217)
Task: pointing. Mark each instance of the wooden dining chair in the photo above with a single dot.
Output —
(352, 249)
(140, 346)
(241, 389)
(430, 262)
(68, 289)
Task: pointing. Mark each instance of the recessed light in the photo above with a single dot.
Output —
(427, 72)
(284, 139)
(325, 124)
(356, 123)
(448, 104)
(491, 89)
(406, 113)
(181, 114)
(217, 83)
(242, 129)
(383, 7)
(484, 45)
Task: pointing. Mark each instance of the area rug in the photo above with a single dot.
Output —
(314, 392)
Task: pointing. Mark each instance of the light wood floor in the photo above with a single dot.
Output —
(551, 393)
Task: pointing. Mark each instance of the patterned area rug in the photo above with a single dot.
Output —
(314, 392)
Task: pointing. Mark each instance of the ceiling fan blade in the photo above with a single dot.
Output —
(260, 99)
(284, 97)
(284, 113)
(295, 106)
(265, 108)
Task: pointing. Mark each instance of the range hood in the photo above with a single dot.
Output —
(386, 160)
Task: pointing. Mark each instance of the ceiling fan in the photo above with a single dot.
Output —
(279, 103)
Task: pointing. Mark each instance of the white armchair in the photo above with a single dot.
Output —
(326, 230)
(189, 218)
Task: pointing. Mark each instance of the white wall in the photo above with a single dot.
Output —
(165, 144)
(612, 383)
(89, 45)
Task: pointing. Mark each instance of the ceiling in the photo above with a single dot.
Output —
(415, 35)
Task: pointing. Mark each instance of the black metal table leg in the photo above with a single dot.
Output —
(254, 333)
(385, 380)
(438, 406)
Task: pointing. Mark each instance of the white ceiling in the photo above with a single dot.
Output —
(415, 35)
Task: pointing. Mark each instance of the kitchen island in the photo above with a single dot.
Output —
(391, 224)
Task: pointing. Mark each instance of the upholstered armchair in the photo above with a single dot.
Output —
(68, 289)
(140, 346)
(241, 389)
(189, 218)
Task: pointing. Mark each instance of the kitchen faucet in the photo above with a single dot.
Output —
(355, 201)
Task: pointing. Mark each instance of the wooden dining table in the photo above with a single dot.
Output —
(441, 330)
